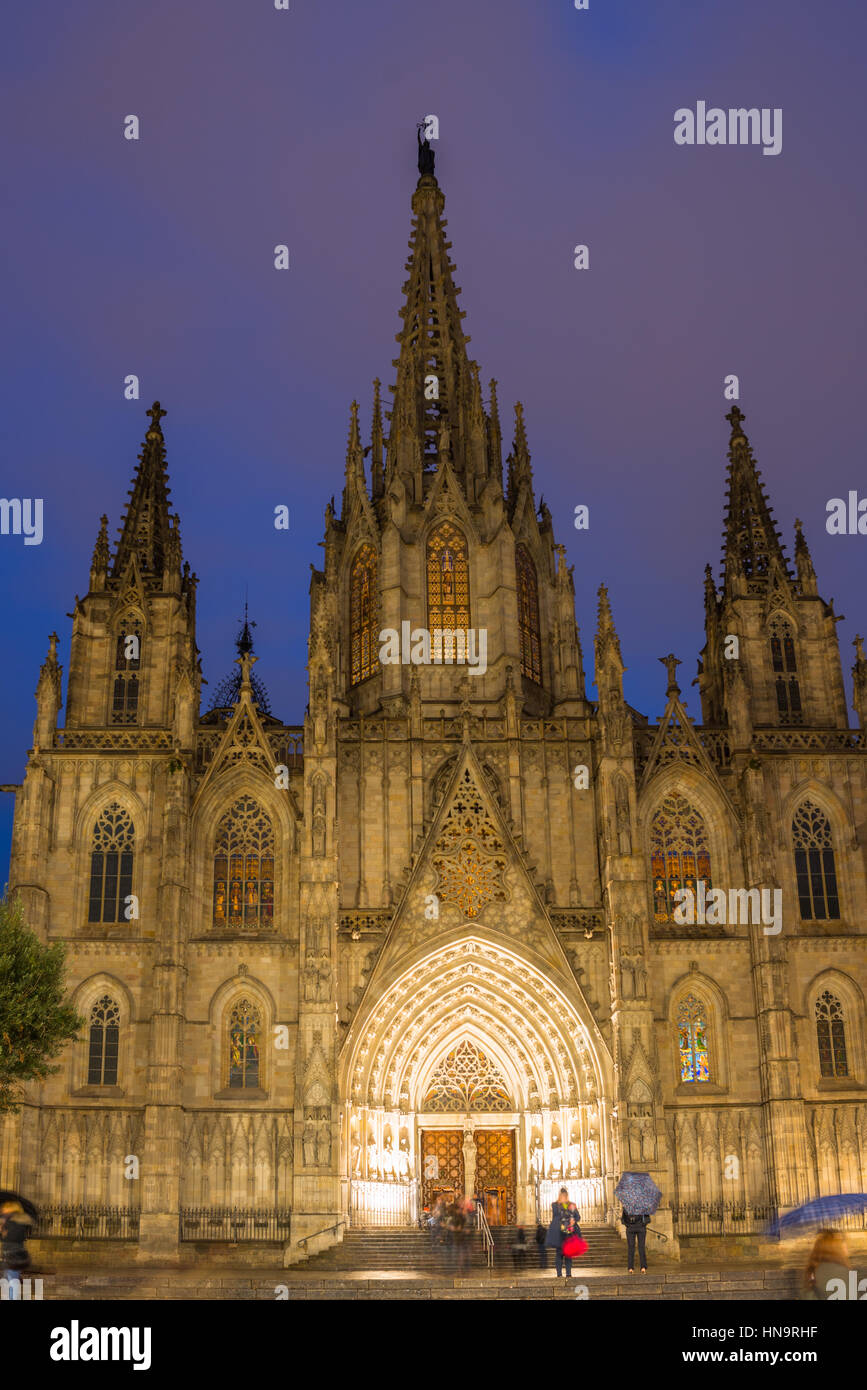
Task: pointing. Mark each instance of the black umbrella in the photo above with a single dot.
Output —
(7, 1196)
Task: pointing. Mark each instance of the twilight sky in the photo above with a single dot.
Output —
(556, 127)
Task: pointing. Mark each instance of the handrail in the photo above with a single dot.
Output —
(324, 1232)
(487, 1238)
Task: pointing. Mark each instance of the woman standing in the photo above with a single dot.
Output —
(564, 1223)
(635, 1226)
(829, 1260)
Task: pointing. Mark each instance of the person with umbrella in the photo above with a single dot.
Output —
(640, 1197)
(17, 1218)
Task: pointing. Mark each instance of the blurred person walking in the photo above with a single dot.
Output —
(829, 1260)
(16, 1225)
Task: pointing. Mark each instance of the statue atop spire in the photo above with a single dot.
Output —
(425, 154)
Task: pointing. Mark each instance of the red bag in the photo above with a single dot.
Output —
(573, 1246)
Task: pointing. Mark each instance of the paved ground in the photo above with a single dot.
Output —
(672, 1282)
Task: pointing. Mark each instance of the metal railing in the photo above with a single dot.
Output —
(721, 1218)
(234, 1224)
(326, 1230)
(487, 1238)
(75, 1221)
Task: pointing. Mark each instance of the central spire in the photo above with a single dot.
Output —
(752, 549)
(434, 397)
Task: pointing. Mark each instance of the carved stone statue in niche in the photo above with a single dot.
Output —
(574, 1156)
(556, 1166)
(635, 1147)
(356, 1159)
(387, 1163)
(319, 817)
(404, 1167)
(593, 1152)
(308, 1140)
(372, 1159)
(317, 980)
(621, 803)
(323, 1139)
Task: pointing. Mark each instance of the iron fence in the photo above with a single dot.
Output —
(721, 1218)
(234, 1224)
(86, 1222)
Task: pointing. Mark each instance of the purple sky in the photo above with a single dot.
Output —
(556, 127)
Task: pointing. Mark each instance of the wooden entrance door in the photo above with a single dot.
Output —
(495, 1174)
(442, 1164)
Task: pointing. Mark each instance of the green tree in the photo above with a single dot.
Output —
(35, 1023)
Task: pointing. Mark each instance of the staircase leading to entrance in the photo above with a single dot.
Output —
(411, 1251)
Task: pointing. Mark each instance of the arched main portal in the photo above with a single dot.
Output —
(473, 1069)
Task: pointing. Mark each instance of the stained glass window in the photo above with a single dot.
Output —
(363, 615)
(469, 855)
(815, 869)
(785, 665)
(448, 586)
(244, 867)
(127, 663)
(679, 854)
(104, 1035)
(831, 1035)
(528, 615)
(467, 1079)
(244, 1030)
(111, 865)
(692, 1040)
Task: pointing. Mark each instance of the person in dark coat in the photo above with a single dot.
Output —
(540, 1241)
(15, 1227)
(636, 1227)
(519, 1248)
(564, 1222)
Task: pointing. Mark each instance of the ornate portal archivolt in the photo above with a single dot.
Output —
(472, 1036)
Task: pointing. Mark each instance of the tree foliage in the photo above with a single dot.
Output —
(35, 1022)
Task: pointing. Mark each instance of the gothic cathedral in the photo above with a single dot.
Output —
(433, 939)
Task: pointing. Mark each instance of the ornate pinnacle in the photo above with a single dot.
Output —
(156, 414)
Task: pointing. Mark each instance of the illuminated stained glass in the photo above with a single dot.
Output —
(448, 584)
(528, 615)
(467, 1079)
(679, 854)
(831, 1035)
(815, 867)
(692, 1040)
(363, 616)
(244, 867)
(244, 1028)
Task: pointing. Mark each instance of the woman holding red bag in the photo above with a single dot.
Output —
(564, 1233)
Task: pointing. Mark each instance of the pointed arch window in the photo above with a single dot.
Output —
(244, 868)
(692, 1040)
(831, 1035)
(679, 854)
(784, 664)
(448, 586)
(127, 665)
(103, 1042)
(815, 867)
(245, 1027)
(363, 615)
(528, 615)
(111, 860)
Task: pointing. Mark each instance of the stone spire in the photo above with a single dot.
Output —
(99, 563)
(377, 478)
(859, 678)
(804, 563)
(520, 476)
(495, 438)
(145, 529)
(752, 549)
(48, 697)
(433, 370)
(354, 461)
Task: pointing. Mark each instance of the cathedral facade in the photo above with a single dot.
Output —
(434, 939)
